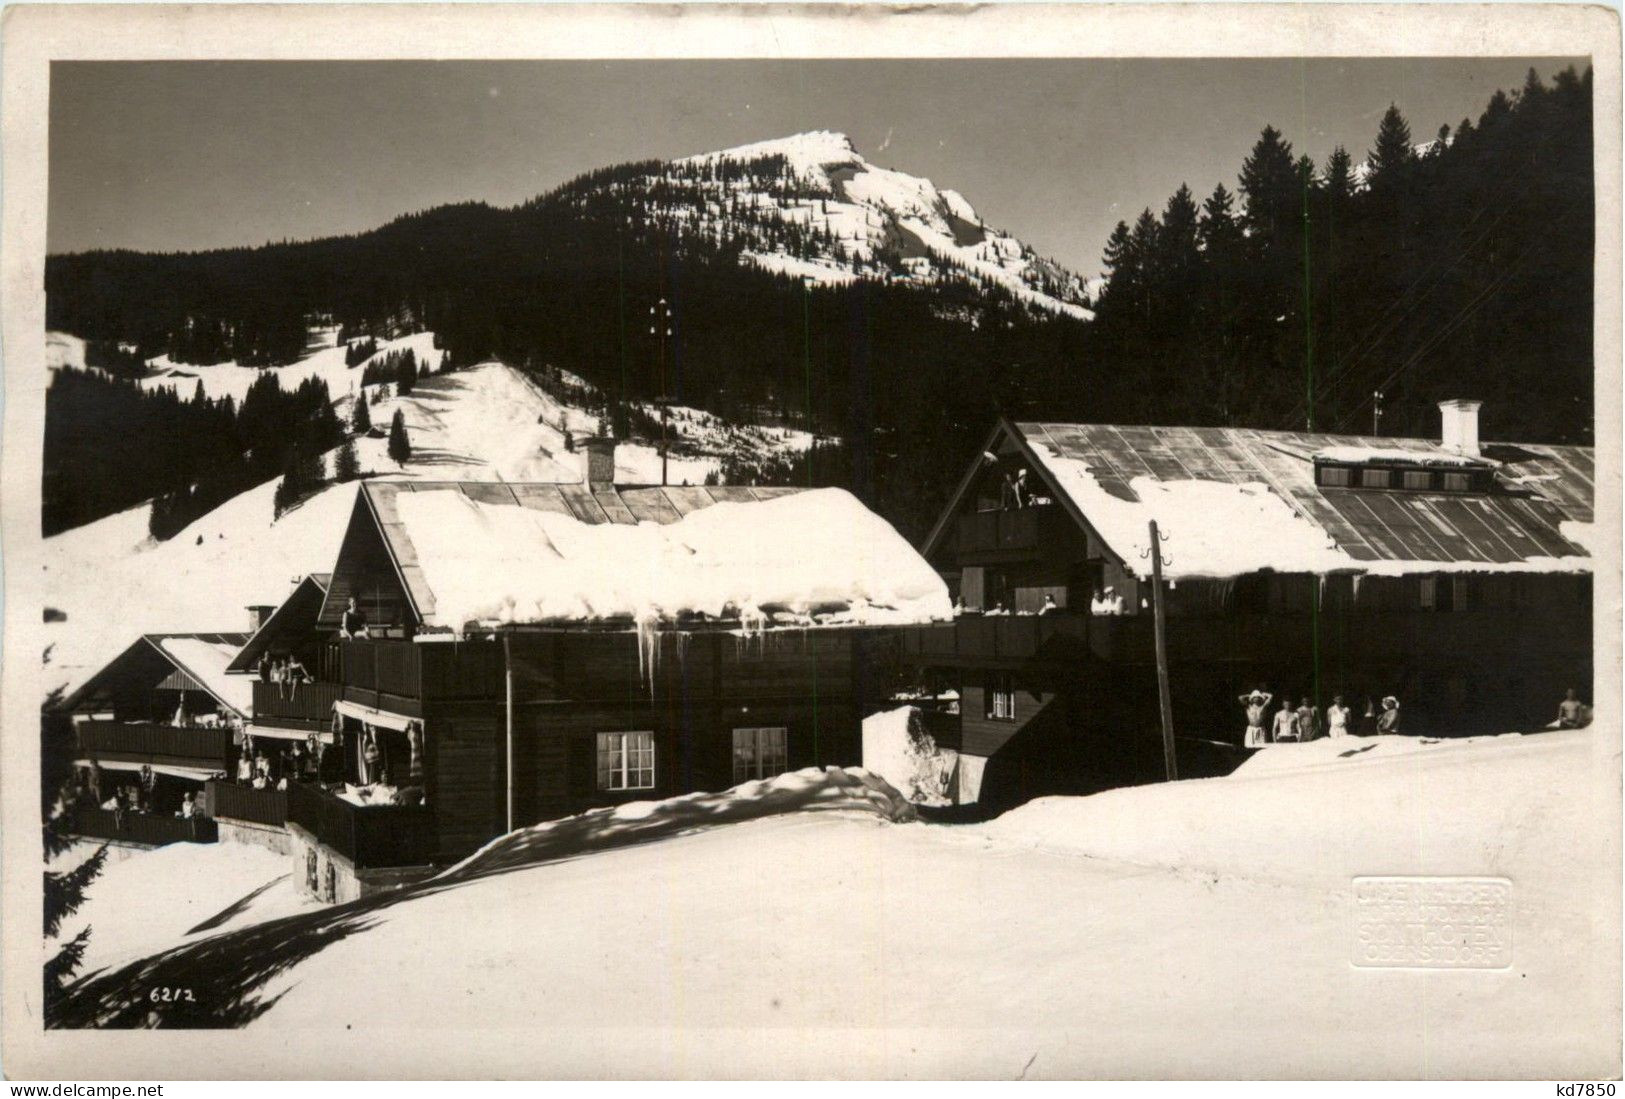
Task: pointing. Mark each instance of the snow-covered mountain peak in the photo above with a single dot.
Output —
(809, 205)
(808, 154)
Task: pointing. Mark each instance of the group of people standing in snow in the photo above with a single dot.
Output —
(1295, 724)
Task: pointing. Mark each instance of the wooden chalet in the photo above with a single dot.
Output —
(474, 728)
(150, 728)
(1452, 575)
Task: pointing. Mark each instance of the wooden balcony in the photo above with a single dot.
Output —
(296, 705)
(150, 742)
(402, 675)
(147, 829)
(370, 836)
(230, 801)
(1378, 638)
(992, 535)
(994, 640)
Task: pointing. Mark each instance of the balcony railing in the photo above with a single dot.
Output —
(300, 705)
(997, 638)
(149, 829)
(414, 670)
(1379, 637)
(150, 741)
(1019, 529)
(370, 836)
(229, 801)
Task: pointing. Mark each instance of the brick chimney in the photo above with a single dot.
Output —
(1459, 426)
(600, 463)
(257, 614)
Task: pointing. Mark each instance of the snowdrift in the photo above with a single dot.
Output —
(850, 789)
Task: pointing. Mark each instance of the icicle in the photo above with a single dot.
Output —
(648, 626)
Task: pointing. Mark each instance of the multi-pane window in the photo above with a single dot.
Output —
(1375, 478)
(760, 753)
(1334, 475)
(626, 761)
(1000, 700)
(1457, 482)
(1418, 478)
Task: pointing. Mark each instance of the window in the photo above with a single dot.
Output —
(626, 761)
(1376, 478)
(1418, 478)
(1428, 596)
(1457, 482)
(1335, 475)
(1000, 701)
(1443, 593)
(760, 753)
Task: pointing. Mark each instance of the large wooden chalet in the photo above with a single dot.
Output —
(431, 733)
(149, 729)
(1452, 575)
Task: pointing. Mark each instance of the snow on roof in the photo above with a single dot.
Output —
(1213, 528)
(1232, 501)
(205, 658)
(1361, 454)
(818, 554)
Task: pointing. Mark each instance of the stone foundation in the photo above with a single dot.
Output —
(322, 873)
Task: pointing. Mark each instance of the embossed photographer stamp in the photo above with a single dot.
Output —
(1432, 923)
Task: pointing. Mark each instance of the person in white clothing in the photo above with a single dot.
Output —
(1337, 718)
(1258, 704)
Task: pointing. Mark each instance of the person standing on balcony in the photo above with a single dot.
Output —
(1388, 723)
(354, 624)
(1257, 703)
(1337, 718)
(1308, 720)
(1286, 722)
(265, 666)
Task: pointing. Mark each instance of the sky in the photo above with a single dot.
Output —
(179, 156)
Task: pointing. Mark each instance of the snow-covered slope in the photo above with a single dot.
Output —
(487, 422)
(1074, 937)
(869, 214)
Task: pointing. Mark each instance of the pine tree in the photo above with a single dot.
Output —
(346, 466)
(1339, 177)
(64, 892)
(1270, 186)
(406, 373)
(1392, 157)
(400, 447)
(360, 416)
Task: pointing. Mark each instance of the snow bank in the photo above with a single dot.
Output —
(1335, 809)
(851, 790)
(147, 902)
(819, 553)
(897, 749)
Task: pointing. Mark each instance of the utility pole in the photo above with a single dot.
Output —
(507, 678)
(1163, 699)
(660, 328)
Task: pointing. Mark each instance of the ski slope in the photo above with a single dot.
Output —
(806, 926)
